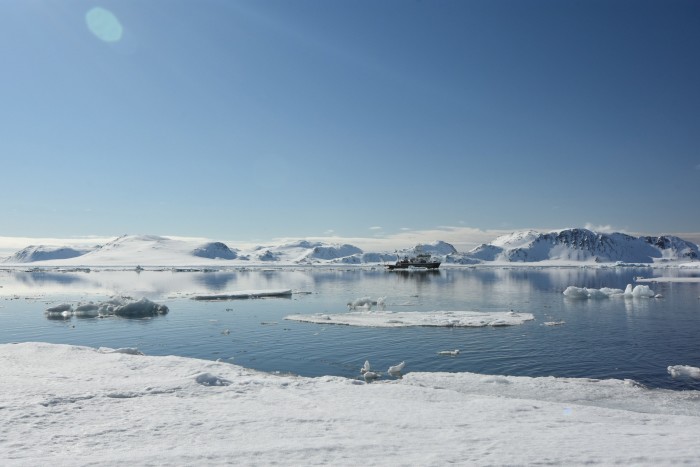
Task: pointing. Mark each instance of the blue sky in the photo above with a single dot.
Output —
(263, 119)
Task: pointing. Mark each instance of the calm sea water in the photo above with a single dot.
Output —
(610, 338)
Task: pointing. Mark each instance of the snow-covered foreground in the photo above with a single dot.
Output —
(67, 405)
(395, 319)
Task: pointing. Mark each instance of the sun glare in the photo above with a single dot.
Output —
(104, 25)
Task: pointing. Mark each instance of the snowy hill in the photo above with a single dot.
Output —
(582, 245)
(570, 246)
(214, 250)
(44, 253)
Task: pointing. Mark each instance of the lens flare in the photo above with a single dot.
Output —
(104, 25)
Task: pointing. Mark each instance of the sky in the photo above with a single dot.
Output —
(263, 119)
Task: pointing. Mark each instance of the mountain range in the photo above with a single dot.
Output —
(528, 246)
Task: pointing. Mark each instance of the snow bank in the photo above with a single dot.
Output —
(65, 405)
(395, 319)
(243, 294)
(123, 307)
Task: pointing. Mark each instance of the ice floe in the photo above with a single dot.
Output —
(395, 370)
(395, 319)
(123, 307)
(642, 291)
(244, 294)
(68, 405)
(583, 292)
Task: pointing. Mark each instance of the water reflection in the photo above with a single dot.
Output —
(614, 337)
(154, 284)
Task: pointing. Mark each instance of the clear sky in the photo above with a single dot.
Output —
(261, 119)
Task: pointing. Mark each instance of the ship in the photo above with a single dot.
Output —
(420, 261)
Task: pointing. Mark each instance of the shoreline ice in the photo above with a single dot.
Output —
(77, 405)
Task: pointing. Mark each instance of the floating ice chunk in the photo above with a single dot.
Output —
(363, 302)
(639, 291)
(684, 371)
(365, 368)
(371, 376)
(396, 370)
(452, 353)
(60, 308)
(554, 323)
(585, 293)
(140, 309)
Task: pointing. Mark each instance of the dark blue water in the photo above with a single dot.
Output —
(610, 338)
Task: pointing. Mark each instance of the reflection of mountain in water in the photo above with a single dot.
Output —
(215, 280)
(40, 278)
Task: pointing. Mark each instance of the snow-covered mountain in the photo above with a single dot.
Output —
(34, 253)
(562, 246)
(214, 250)
(584, 245)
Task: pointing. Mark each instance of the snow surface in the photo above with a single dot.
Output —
(396, 319)
(68, 405)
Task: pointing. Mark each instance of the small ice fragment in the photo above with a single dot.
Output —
(226, 332)
(60, 308)
(371, 376)
(554, 323)
(396, 369)
(452, 353)
(365, 368)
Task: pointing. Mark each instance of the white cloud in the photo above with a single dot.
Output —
(375, 227)
(602, 228)
(10, 245)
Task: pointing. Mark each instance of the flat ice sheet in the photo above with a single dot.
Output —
(396, 319)
(243, 294)
(67, 405)
(667, 279)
